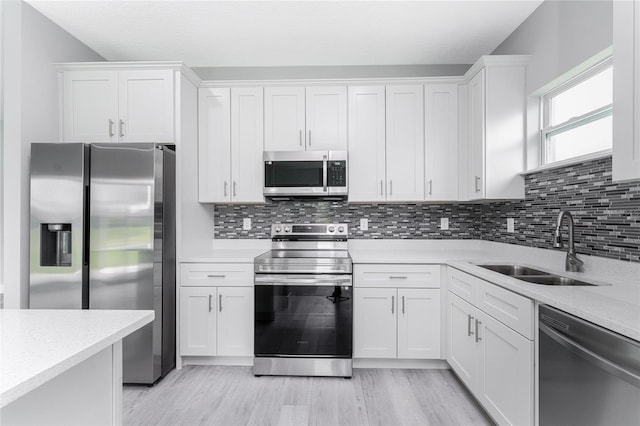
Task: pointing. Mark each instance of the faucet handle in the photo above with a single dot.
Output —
(573, 264)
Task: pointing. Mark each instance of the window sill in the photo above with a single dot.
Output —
(569, 162)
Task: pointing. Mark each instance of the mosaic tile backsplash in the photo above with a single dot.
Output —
(607, 215)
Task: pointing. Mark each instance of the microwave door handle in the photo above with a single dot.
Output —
(324, 173)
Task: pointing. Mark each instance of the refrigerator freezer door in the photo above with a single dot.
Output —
(124, 202)
(58, 194)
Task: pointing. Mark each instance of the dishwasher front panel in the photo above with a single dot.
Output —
(588, 375)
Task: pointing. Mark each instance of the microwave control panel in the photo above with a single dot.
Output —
(337, 173)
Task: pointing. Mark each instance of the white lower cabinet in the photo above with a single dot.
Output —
(216, 320)
(495, 362)
(198, 320)
(235, 321)
(396, 322)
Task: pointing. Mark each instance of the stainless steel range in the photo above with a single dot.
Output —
(304, 302)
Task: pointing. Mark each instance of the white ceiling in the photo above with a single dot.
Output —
(290, 33)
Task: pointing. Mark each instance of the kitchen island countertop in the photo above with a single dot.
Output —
(38, 344)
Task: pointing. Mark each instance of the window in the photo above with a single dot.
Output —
(577, 116)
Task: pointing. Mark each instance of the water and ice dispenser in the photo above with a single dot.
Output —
(55, 244)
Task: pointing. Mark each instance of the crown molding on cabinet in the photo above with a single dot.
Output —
(332, 82)
(129, 65)
(496, 61)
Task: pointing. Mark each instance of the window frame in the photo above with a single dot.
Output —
(546, 130)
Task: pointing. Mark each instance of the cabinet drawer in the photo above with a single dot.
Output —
(509, 308)
(463, 285)
(402, 276)
(216, 274)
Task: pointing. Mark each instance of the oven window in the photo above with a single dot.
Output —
(293, 174)
(303, 320)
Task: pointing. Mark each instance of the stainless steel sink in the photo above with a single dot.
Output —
(513, 270)
(553, 280)
(534, 276)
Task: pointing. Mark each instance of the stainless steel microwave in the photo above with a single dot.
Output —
(305, 174)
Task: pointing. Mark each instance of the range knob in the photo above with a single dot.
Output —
(331, 228)
(278, 228)
(287, 229)
(340, 228)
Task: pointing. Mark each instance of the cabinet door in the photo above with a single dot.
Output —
(626, 101)
(284, 119)
(146, 106)
(235, 321)
(198, 321)
(214, 145)
(405, 143)
(441, 142)
(90, 106)
(367, 143)
(476, 91)
(505, 372)
(419, 323)
(461, 346)
(375, 313)
(247, 141)
(326, 118)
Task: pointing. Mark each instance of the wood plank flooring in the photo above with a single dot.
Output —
(216, 395)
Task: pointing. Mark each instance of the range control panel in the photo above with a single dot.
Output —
(309, 229)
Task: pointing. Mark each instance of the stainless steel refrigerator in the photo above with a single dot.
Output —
(103, 237)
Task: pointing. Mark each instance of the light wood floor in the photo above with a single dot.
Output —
(213, 395)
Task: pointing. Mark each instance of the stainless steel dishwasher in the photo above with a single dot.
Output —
(588, 375)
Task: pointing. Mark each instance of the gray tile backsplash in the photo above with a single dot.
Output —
(607, 214)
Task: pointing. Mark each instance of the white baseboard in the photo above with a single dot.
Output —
(424, 364)
(241, 361)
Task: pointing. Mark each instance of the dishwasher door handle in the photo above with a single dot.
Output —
(590, 356)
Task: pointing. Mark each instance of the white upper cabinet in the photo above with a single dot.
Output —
(284, 119)
(326, 118)
(441, 142)
(312, 119)
(90, 106)
(230, 165)
(496, 114)
(626, 90)
(214, 145)
(367, 143)
(247, 140)
(146, 106)
(405, 143)
(118, 105)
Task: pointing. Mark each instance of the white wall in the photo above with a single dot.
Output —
(560, 35)
(31, 43)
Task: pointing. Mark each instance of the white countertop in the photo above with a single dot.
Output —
(615, 306)
(38, 345)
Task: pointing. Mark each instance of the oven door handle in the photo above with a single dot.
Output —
(309, 280)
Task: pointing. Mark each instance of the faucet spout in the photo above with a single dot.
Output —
(572, 263)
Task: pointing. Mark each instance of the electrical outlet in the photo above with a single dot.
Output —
(246, 223)
(444, 223)
(511, 225)
(364, 224)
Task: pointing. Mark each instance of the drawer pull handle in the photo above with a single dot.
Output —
(478, 338)
(469, 319)
(392, 277)
(216, 276)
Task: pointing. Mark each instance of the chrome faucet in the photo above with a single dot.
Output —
(572, 263)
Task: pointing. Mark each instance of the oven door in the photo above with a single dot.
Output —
(303, 316)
